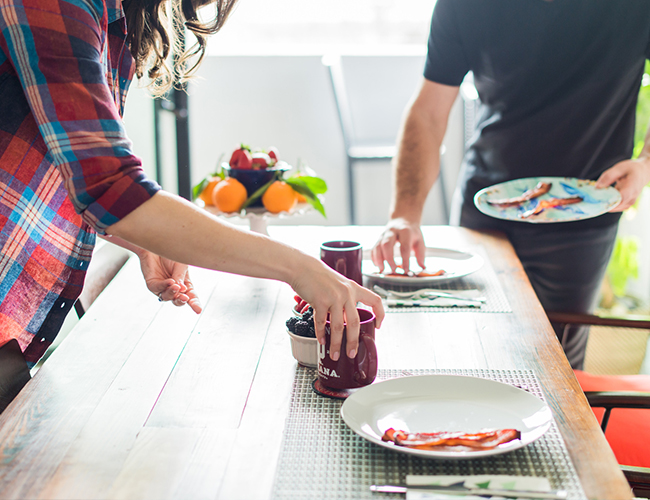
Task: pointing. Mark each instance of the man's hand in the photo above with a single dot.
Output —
(628, 177)
(169, 280)
(410, 239)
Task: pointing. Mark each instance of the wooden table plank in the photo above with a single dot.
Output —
(210, 384)
(155, 467)
(207, 467)
(38, 428)
(97, 454)
(259, 435)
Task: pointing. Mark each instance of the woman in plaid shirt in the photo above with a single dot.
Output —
(68, 171)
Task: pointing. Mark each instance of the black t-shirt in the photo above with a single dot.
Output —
(558, 83)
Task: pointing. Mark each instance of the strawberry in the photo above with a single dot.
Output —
(261, 160)
(301, 305)
(241, 158)
(273, 153)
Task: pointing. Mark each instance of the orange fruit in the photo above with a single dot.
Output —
(206, 194)
(229, 195)
(300, 198)
(279, 197)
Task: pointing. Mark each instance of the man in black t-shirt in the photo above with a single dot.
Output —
(558, 82)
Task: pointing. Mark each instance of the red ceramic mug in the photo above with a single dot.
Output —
(346, 373)
(344, 257)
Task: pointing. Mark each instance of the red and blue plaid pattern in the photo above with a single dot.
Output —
(66, 166)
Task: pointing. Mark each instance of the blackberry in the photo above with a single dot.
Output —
(303, 329)
(308, 314)
(291, 324)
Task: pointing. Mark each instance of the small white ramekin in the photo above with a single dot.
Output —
(304, 349)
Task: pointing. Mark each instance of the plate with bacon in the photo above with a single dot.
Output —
(446, 416)
(546, 199)
(441, 264)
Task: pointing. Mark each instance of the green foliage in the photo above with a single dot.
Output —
(624, 263)
(642, 112)
(311, 188)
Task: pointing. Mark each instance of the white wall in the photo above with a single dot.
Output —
(138, 121)
(286, 102)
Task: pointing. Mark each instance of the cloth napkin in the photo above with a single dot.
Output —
(432, 302)
(500, 482)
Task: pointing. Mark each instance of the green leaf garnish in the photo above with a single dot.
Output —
(315, 184)
(198, 189)
(310, 187)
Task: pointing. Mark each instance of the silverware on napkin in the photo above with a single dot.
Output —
(448, 302)
(426, 293)
(463, 491)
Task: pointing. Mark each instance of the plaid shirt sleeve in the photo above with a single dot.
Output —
(59, 50)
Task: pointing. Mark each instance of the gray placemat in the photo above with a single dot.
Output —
(485, 280)
(321, 458)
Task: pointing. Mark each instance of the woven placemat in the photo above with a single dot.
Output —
(484, 280)
(321, 458)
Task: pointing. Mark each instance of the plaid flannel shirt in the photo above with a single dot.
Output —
(66, 166)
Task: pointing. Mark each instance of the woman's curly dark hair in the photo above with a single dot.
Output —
(151, 34)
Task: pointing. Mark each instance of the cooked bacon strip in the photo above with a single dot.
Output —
(550, 203)
(451, 440)
(421, 274)
(412, 274)
(539, 190)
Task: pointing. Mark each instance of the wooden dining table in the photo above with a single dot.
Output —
(145, 400)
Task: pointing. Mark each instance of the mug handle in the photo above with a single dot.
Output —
(369, 364)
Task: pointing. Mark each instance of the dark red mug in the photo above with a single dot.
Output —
(344, 257)
(346, 373)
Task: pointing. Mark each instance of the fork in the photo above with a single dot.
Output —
(424, 292)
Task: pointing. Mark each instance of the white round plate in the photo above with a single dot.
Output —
(455, 263)
(432, 403)
(595, 201)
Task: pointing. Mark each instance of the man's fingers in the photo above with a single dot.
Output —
(420, 253)
(405, 250)
(377, 258)
(610, 176)
(387, 251)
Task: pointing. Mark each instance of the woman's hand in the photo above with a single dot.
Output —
(169, 280)
(331, 293)
(629, 177)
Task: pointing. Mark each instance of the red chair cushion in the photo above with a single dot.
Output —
(628, 430)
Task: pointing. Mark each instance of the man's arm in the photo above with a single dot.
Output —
(416, 168)
(629, 177)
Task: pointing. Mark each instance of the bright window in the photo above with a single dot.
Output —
(322, 26)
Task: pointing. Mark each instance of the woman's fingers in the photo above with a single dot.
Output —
(165, 289)
(336, 325)
(193, 301)
(351, 330)
(374, 301)
(320, 318)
